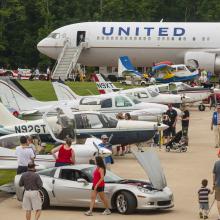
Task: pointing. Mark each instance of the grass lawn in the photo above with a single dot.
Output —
(43, 90)
(6, 176)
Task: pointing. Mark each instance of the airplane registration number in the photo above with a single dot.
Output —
(30, 128)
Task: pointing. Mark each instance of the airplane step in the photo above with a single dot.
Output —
(67, 61)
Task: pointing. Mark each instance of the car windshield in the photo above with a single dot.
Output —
(133, 99)
(48, 172)
(109, 176)
(153, 93)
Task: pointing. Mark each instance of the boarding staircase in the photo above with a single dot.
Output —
(67, 60)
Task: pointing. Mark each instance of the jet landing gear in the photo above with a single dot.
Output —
(201, 107)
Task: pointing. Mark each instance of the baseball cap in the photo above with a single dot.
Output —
(104, 136)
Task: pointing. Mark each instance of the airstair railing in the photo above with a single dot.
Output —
(66, 44)
(76, 56)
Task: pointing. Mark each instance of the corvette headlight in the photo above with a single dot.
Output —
(144, 190)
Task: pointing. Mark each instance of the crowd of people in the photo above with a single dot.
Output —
(64, 155)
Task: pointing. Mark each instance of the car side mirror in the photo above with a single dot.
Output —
(81, 180)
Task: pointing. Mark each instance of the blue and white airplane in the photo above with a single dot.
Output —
(143, 42)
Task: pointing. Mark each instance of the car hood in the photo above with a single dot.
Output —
(152, 167)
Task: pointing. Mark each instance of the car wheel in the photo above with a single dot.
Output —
(45, 198)
(125, 203)
(202, 108)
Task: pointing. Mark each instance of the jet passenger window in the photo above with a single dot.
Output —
(121, 101)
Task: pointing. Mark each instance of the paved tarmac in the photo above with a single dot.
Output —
(184, 172)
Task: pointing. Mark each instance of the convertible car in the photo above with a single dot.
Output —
(71, 186)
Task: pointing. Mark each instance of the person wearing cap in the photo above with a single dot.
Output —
(32, 184)
(108, 160)
(215, 125)
(172, 115)
(216, 183)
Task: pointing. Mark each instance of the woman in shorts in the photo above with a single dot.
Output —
(98, 186)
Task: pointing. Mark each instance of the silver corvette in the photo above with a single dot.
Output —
(71, 186)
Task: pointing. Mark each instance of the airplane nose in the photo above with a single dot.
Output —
(49, 47)
(41, 46)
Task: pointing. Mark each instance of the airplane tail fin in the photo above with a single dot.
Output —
(63, 92)
(7, 118)
(14, 99)
(104, 86)
(125, 66)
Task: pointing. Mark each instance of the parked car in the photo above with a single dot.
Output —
(71, 186)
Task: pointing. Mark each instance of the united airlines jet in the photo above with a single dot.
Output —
(143, 42)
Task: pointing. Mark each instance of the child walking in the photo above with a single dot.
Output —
(203, 196)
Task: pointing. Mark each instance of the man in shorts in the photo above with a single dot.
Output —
(32, 184)
(216, 183)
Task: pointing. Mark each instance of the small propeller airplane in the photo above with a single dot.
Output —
(79, 125)
(144, 94)
(113, 103)
(110, 104)
(83, 152)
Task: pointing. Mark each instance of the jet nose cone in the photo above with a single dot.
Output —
(50, 47)
(41, 46)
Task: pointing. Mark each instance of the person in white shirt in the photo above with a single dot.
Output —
(24, 154)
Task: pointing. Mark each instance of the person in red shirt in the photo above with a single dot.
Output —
(98, 186)
(66, 155)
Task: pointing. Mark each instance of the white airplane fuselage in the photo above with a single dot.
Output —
(143, 42)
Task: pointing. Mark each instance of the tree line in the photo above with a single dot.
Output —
(23, 23)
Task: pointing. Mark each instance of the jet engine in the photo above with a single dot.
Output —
(205, 60)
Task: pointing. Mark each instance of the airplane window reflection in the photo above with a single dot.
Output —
(133, 99)
(67, 126)
(163, 89)
(153, 93)
(107, 103)
(88, 121)
(121, 101)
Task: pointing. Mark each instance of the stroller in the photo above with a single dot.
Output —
(178, 143)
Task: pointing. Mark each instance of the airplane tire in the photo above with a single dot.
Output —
(201, 107)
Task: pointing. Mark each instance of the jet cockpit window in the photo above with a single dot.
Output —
(153, 93)
(54, 35)
(121, 101)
